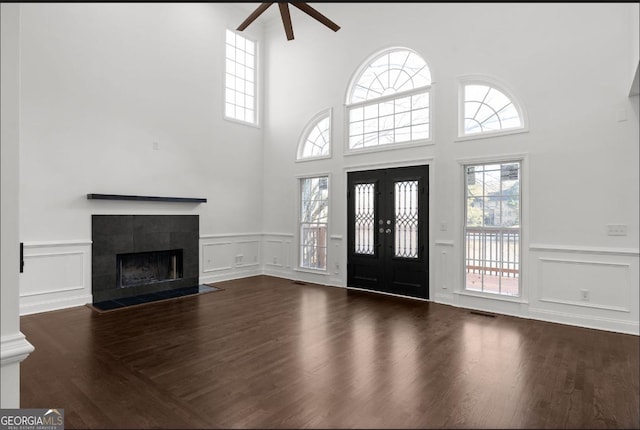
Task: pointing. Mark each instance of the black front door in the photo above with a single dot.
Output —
(387, 234)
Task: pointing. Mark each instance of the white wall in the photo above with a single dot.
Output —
(635, 49)
(13, 346)
(100, 83)
(568, 64)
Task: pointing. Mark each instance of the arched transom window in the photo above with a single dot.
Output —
(388, 101)
(316, 138)
(488, 110)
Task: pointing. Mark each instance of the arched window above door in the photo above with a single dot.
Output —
(388, 101)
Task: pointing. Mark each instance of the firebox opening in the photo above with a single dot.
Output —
(143, 268)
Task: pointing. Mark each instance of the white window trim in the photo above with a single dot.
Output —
(523, 159)
(256, 110)
(492, 296)
(500, 86)
(305, 133)
(488, 135)
(297, 237)
(237, 121)
(425, 89)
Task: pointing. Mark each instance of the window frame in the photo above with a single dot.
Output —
(348, 106)
(299, 237)
(311, 125)
(256, 98)
(498, 85)
(523, 159)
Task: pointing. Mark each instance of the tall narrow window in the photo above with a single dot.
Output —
(492, 228)
(388, 102)
(240, 78)
(314, 217)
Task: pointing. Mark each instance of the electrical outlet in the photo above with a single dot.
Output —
(155, 145)
(239, 258)
(617, 229)
(584, 295)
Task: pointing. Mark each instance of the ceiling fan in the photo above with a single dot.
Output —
(286, 17)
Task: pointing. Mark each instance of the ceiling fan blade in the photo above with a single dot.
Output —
(256, 13)
(315, 14)
(286, 20)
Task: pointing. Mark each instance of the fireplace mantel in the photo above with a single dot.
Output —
(145, 198)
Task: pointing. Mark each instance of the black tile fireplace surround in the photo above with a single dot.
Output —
(114, 235)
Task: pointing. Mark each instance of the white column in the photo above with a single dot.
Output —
(13, 346)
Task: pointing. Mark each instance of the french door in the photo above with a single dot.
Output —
(387, 233)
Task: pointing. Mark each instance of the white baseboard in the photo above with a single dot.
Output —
(593, 322)
(55, 304)
(229, 276)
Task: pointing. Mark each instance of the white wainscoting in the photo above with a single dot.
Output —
(281, 260)
(560, 277)
(553, 280)
(444, 267)
(56, 275)
(229, 256)
(337, 267)
(278, 255)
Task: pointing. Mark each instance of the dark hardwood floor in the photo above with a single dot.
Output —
(268, 353)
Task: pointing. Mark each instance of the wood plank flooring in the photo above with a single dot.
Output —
(268, 353)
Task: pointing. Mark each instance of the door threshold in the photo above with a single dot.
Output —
(389, 294)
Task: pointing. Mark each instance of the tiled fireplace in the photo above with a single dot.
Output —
(133, 255)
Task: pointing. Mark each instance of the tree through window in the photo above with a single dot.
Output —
(492, 228)
(314, 218)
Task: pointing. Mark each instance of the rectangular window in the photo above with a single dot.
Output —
(492, 228)
(392, 120)
(240, 78)
(314, 217)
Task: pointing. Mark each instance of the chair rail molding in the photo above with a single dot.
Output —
(632, 252)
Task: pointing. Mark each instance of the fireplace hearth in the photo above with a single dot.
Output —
(133, 255)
